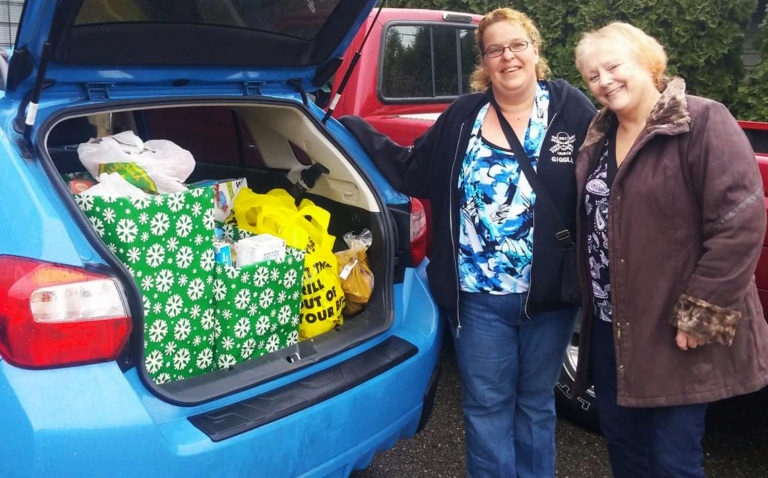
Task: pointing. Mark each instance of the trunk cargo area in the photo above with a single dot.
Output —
(260, 142)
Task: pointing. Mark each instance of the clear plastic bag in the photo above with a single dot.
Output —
(356, 277)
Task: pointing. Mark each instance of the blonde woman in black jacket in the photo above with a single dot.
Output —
(497, 264)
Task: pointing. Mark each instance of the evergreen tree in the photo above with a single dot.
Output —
(752, 102)
(703, 38)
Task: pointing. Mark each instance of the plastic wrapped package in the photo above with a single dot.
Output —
(356, 277)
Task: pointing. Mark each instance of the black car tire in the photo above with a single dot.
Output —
(581, 409)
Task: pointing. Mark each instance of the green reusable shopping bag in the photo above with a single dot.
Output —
(165, 241)
(257, 306)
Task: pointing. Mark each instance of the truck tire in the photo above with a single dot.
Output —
(581, 409)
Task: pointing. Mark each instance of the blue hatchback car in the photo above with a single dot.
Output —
(230, 81)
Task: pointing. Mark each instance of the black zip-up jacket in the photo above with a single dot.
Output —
(429, 170)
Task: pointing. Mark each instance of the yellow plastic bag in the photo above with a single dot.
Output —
(271, 213)
(305, 227)
(322, 298)
(356, 276)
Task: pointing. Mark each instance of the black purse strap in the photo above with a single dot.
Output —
(563, 235)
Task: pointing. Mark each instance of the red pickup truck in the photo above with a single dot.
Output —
(413, 65)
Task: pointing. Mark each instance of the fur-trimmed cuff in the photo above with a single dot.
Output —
(708, 322)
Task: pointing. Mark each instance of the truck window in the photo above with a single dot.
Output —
(758, 139)
(426, 61)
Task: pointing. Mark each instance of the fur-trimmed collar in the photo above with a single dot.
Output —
(669, 114)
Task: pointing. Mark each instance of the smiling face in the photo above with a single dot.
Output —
(617, 79)
(512, 73)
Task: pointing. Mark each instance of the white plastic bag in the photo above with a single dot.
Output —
(159, 165)
(113, 186)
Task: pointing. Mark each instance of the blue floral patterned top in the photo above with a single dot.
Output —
(496, 232)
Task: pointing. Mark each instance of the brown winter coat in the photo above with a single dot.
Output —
(686, 221)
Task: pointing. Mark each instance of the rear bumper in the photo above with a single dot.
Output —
(98, 421)
(260, 410)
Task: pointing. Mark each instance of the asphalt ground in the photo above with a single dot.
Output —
(735, 444)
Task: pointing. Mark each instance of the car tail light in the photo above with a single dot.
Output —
(53, 315)
(418, 232)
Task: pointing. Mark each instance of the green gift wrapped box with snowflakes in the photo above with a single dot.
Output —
(258, 307)
(165, 241)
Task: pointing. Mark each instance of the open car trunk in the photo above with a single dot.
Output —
(260, 142)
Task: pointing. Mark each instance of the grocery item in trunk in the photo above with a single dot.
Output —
(155, 166)
(322, 299)
(113, 185)
(165, 243)
(257, 307)
(259, 248)
(79, 182)
(272, 213)
(356, 276)
(276, 213)
(225, 191)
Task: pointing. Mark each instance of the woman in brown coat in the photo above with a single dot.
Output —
(670, 227)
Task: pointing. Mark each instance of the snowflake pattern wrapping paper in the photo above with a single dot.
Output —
(258, 307)
(165, 241)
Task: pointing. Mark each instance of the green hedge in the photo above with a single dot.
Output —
(703, 39)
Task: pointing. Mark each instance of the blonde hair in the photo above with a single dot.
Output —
(480, 81)
(647, 49)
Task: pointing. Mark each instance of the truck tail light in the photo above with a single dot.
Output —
(53, 315)
(418, 232)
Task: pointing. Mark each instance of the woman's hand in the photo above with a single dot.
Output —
(685, 341)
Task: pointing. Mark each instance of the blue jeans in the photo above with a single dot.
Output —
(643, 442)
(509, 365)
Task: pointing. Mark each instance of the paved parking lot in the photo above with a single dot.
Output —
(736, 443)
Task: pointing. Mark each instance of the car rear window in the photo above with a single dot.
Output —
(758, 138)
(295, 18)
(427, 61)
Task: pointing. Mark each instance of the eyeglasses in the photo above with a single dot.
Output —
(515, 46)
